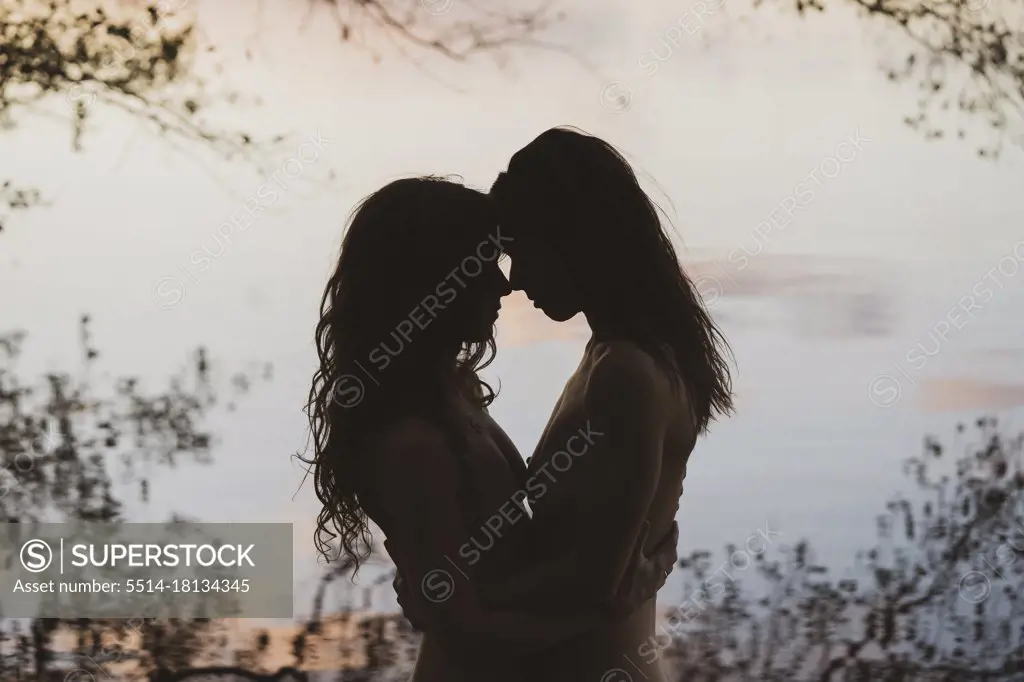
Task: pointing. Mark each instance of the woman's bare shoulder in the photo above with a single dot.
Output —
(626, 376)
(625, 365)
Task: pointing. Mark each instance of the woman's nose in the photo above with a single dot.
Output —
(515, 278)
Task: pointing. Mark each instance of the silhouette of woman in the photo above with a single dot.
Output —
(585, 238)
(402, 436)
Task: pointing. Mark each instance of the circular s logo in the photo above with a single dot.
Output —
(36, 556)
(348, 391)
(616, 97)
(974, 587)
(438, 586)
(884, 390)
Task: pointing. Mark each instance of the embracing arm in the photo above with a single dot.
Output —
(416, 487)
(626, 408)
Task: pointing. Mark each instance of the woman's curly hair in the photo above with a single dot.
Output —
(400, 244)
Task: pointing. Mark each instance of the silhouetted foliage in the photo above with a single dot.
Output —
(938, 598)
(964, 56)
(69, 448)
(141, 60)
(132, 58)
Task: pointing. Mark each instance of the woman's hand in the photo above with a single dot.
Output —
(407, 603)
(410, 605)
(646, 574)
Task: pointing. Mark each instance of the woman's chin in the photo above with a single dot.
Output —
(559, 314)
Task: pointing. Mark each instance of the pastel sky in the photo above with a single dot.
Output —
(827, 314)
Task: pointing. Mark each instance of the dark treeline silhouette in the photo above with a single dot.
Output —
(937, 598)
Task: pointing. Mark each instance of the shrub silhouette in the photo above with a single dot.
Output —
(937, 598)
(62, 440)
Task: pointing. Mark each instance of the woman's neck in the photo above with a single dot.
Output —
(604, 327)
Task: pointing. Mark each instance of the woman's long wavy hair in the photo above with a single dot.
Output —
(400, 245)
(587, 200)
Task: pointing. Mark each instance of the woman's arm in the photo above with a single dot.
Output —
(649, 575)
(415, 486)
